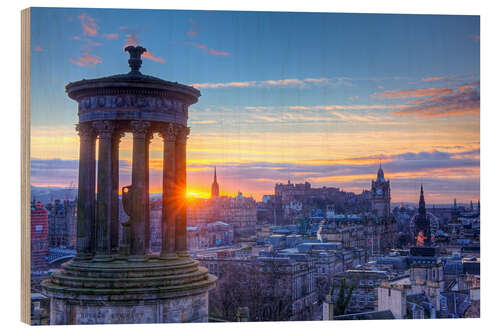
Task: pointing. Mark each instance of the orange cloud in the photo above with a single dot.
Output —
(149, 55)
(38, 48)
(221, 53)
(86, 60)
(110, 36)
(430, 79)
(225, 85)
(285, 82)
(438, 112)
(293, 82)
(89, 25)
(203, 122)
(465, 100)
(464, 88)
(412, 93)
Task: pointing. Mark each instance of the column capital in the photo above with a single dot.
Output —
(85, 131)
(182, 134)
(104, 128)
(140, 128)
(118, 134)
(169, 133)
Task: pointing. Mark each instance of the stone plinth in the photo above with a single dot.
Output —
(126, 292)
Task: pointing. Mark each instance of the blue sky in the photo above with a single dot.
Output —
(291, 89)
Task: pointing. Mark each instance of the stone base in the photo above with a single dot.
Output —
(176, 310)
(128, 292)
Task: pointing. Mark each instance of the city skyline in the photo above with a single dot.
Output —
(280, 100)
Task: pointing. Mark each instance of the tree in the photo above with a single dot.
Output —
(265, 288)
(342, 299)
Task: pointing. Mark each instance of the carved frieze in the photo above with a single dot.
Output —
(148, 103)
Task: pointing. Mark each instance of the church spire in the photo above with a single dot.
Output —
(421, 203)
(380, 173)
(215, 185)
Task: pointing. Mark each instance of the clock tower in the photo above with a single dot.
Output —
(381, 195)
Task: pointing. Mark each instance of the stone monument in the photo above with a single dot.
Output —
(113, 279)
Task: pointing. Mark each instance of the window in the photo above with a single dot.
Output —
(39, 228)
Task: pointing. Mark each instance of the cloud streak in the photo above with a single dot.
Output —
(436, 102)
(150, 56)
(86, 60)
(411, 93)
(89, 25)
(219, 53)
(110, 36)
(282, 83)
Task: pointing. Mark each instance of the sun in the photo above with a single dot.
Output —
(197, 194)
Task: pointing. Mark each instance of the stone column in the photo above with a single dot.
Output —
(104, 190)
(139, 179)
(169, 209)
(115, 210)
(180, 178)
(149, 137)
(86, 192)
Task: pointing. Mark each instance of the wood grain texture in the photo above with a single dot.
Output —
(25, 167)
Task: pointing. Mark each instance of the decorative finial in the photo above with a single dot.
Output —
(135, 61)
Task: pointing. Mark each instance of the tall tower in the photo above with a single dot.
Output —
(422, 232)
(421, 202)
(381, 194)
(215, 185)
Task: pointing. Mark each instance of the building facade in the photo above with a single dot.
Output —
(39, 237)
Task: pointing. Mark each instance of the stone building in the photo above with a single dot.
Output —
(291, 279)
(296, 201)
(62, 223)
(392, 296)
(240, 212)
(364, 284)
(40, 309)
(281, 286)
(210, 235)
(39, 237)
(426, 273)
